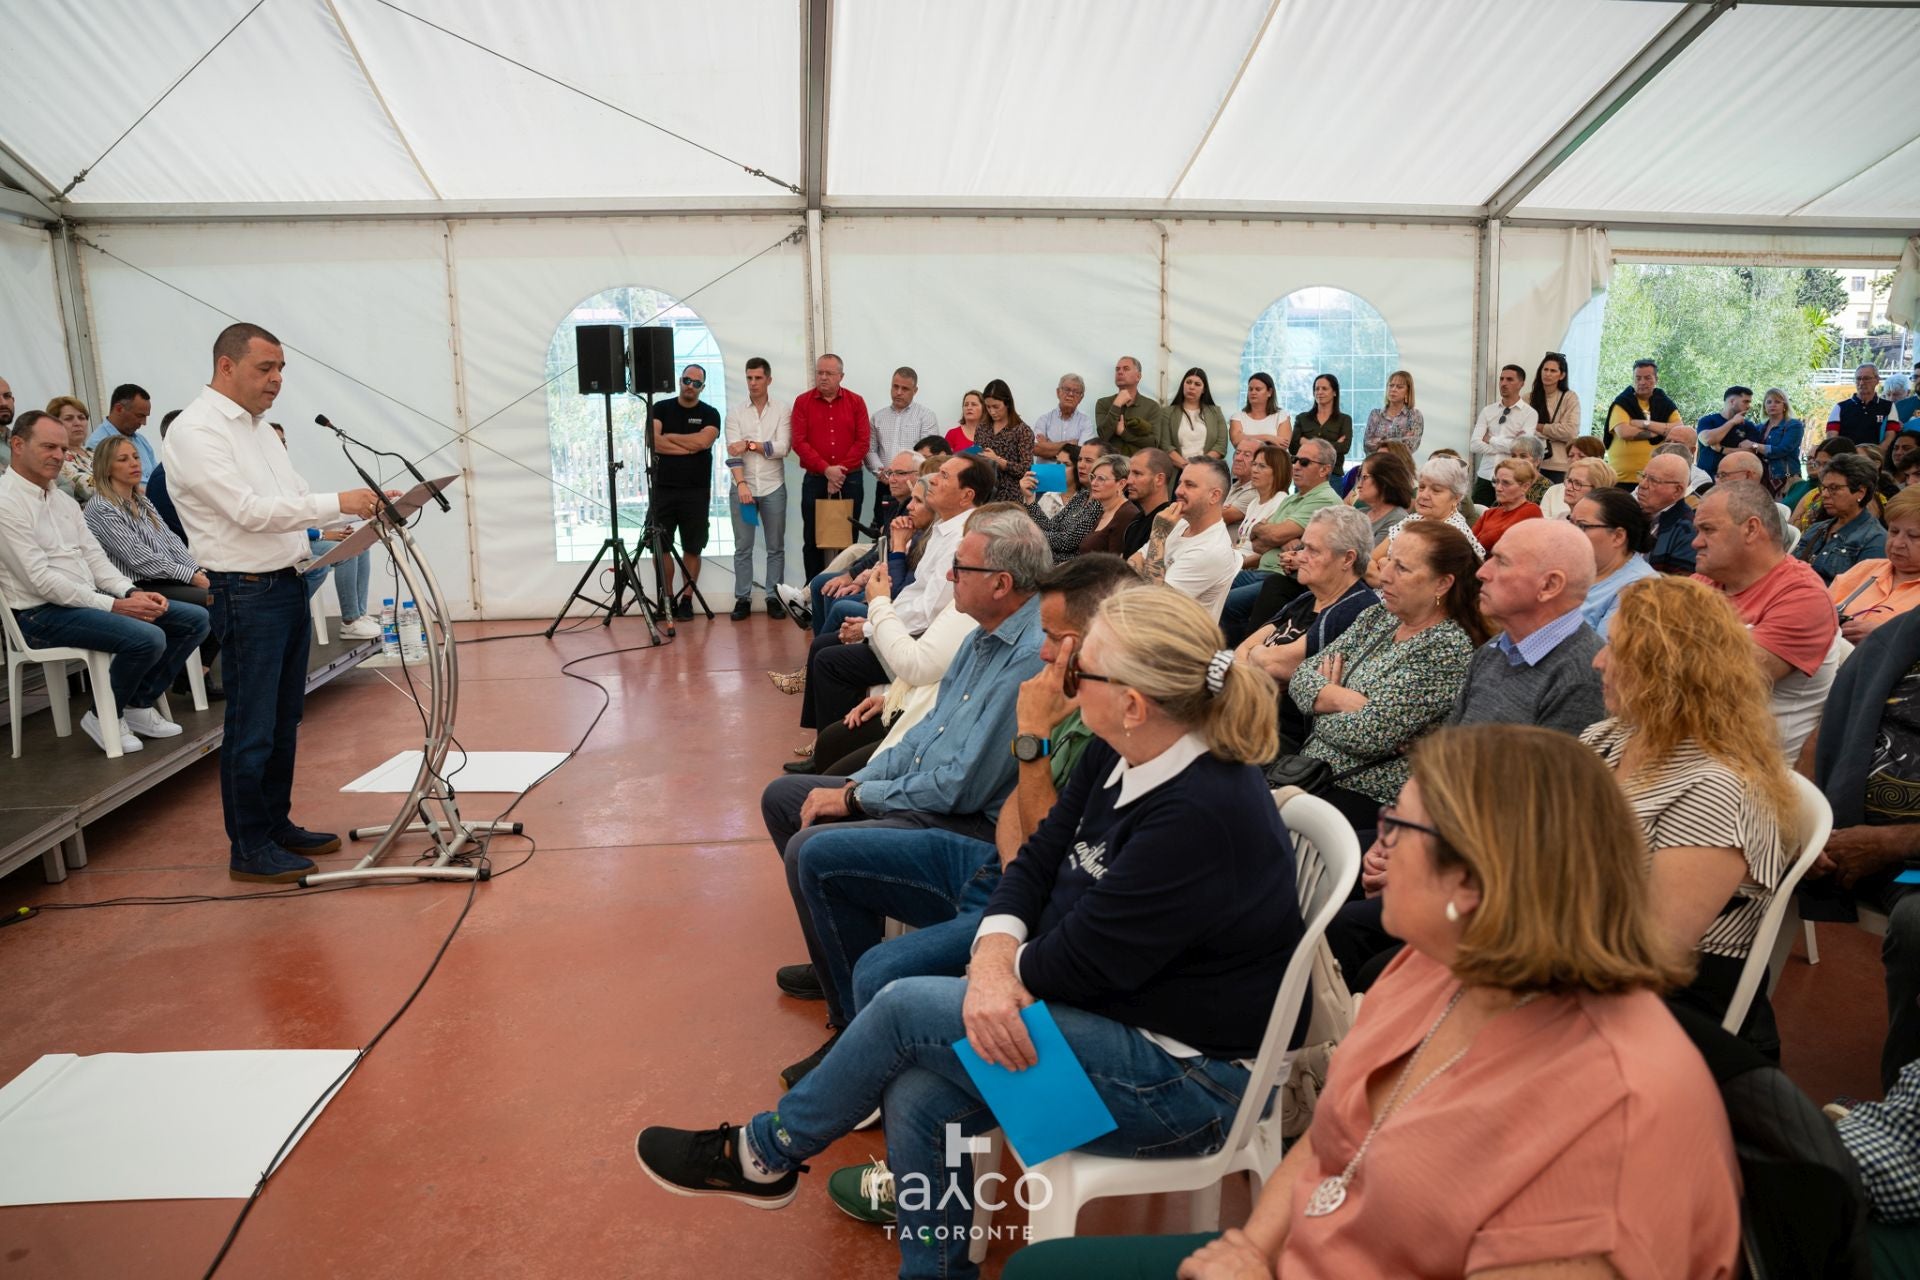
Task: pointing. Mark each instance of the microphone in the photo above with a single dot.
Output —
(438, 497)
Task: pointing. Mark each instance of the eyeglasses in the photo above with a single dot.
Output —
(695, 383)
(1590, 525)
(1391, 826)
(956, 568)
(1646, 481)
(1071, 678)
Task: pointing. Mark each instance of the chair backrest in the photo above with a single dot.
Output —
(1816, 824)
(1326, 867)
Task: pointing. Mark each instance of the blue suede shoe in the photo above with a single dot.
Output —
(269, 864)
(310, 844)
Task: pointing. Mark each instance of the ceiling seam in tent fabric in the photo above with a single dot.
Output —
(1638, 72)
(353, 47)
(81, 176)
(458, 435)
(1246, 60)
(32, 183)
(1862, 172)
(573, 88)
(816, 49)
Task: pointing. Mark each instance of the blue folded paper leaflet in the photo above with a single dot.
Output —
(1910, 876)
(1050, 477)
(1048, 1108)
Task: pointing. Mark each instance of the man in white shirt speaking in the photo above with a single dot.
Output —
(246, 514)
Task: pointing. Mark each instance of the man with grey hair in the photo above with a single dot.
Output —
(1862, 416)
(1126, 420)
(1662, 493)
(1741, 542)
(1194, 555)
(899, 425)
(1906, 405)
(1066, 423)
(1259, 590)
(1539, 670)
(952, 770)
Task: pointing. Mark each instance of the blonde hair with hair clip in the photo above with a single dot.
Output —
(1545, 831)
(1159, 643)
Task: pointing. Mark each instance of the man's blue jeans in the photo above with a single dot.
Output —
(773, 522)
(146, 655)
(831, 613)
(349, 579)
(260, 620)
(898, 1055)
(853, 878)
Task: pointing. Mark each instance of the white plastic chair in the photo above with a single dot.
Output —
(1816, 826)
(1326, 867)
(318, 609)
(53, 664)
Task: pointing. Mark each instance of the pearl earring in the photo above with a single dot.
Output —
(1453, 913)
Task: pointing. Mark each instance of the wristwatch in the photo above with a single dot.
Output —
(1028, 748)
(852, 795)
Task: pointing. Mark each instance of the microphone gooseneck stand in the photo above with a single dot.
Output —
(431, 806)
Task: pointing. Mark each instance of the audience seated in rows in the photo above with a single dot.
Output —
(1848, 533)
(1162, 1005)
(1332, 551)
(1662, 494)
(1151, 479)
(1384, 490)
(1795, 635)
(833, 596)
(1268, 542)
(1396, 671)
(64, 591)
(1189, 549)
(1690, 741)
(1117, 515)
(76, 474)
(1068, 527)
(1578, 1132)
(1584, 475)
(1442, 486)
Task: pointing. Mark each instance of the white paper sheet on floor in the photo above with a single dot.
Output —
(154, 1126)
(482, 771)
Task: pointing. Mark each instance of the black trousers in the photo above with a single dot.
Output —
(838, 751)
(838, 678)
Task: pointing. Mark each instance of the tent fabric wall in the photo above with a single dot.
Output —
(1546, 276)
(1221, 276)
(368, 299)
(33, 352)
(517, 282)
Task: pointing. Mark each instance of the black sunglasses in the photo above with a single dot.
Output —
(1071, 678)
(695, 383)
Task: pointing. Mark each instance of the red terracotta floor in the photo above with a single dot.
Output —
(621, 977)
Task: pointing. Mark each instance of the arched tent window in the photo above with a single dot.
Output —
(577, 424)
(1321, 330)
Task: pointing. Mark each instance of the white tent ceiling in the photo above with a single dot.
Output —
(1437, 109)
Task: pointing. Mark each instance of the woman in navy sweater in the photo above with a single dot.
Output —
(1154, 909)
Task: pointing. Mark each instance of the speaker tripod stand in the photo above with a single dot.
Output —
(626, 574)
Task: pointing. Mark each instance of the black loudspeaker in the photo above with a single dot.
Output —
(653, 360)
(601, 353)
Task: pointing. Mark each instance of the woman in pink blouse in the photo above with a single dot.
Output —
(1515, 1099)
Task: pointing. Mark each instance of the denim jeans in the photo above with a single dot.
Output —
(898, 1055)
(780, 809)
(146, 655)
(773, 519)
(813, 488)
(930, 951)
(350, 581)
(261, 622)
(853, 878)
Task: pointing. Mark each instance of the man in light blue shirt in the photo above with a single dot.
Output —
(953, 769)
(125, 416)
(1066, 423)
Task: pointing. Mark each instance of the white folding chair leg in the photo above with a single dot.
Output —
(319, 619)
(55, 674)
(105, 707)
(1203, 1209)
(13, 703)
(196, 682)
(983, 1164)
(1813, 944)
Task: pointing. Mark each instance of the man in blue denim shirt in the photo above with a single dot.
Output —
(952, 770)
(1849, 534)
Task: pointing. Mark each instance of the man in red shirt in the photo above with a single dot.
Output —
(830, 433)
(1741, 544)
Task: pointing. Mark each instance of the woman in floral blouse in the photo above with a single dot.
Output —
(1393, 674)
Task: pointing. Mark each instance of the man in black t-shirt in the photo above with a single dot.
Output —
(684, 430)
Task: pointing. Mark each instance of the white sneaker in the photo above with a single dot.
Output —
(149, 723)
(90, 725)
(361, 628)
(792, 597)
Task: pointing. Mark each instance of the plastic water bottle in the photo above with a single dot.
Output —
(389, 631)
(413, 638)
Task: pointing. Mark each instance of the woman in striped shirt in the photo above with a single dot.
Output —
(1691, 739)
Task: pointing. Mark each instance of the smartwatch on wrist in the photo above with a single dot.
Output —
(1028, 748)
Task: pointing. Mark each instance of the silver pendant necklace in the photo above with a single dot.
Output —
(1332, 1192)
